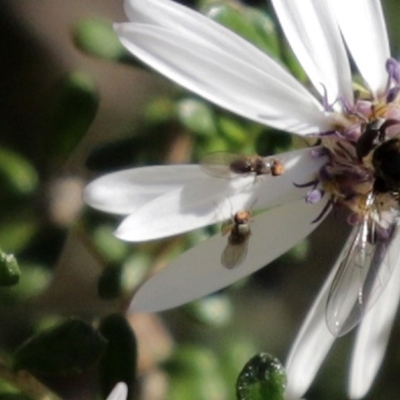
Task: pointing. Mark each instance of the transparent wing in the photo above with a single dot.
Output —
(218, 164)
(363, 273)
(234, 254)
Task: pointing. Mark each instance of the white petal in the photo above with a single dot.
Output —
(120, 392)
(252, 85)
(199, 272)
(374, 331)
(209, 200)
(311, 345)
(315, 38)
(125, 191)
(179, 19)
(364, 30)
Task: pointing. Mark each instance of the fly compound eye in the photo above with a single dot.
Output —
(386, 162)
(277, 168)
(242, 217)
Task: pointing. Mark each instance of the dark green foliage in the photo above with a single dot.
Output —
(67, 349)
(118, 363)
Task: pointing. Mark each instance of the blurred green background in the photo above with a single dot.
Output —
(73, 106)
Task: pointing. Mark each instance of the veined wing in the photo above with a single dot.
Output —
(364, 270)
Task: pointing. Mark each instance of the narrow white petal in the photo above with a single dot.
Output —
(199, 272)
(123, 192)
(374, 331)
(236, 84)
(120, 392)
(364, 30)
(197, 204)
(208, 200)
(315, 38)
(179, 19)
(311, 345)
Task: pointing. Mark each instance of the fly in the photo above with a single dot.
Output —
(239, 234)
(229, 165)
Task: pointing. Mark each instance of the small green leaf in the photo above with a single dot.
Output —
(33, 281)
(17, 232)
(135, 269)
(97, 38)
(16, 173)
(215, 310)
(9, 269)
(197, 116)
(262, 378)
(266, 30)
(110, 247)
(232, 130)
(119, 362)
(73, 113)
(67, 349)
(254, 25)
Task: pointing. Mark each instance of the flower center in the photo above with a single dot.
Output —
(364, 153)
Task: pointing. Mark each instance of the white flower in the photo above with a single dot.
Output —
(358, 171)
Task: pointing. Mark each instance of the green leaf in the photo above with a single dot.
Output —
(135, 269)
(16, 234)
(110, 247)
(262, 378)
(9, 269)
(33, 280)
(215, 310)
(197, 116)
(119, 362)
(67, 349)
(16, 173)
(97, 38)
(73, 113)
(252, 24)
(232, 130)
